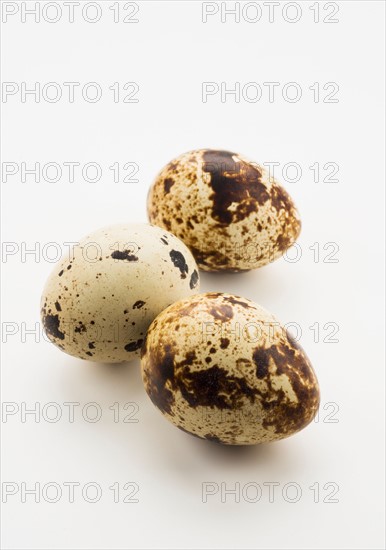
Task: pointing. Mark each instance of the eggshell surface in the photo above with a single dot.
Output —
(99, 300)
(228, 210)
(222, 368)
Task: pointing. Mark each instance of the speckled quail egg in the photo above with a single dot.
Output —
(228, 210)
(222, 368)
(98, 303)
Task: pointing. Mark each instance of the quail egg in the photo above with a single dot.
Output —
(220, 367)
(98, 303)
(228, 210)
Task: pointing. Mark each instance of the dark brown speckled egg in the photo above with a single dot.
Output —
(222, 368)
(228, 210)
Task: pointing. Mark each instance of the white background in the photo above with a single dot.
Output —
(169, 53)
